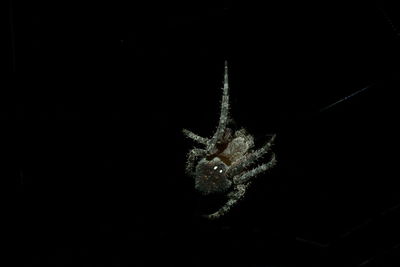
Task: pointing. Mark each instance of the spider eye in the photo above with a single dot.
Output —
(210, 176)
(218, 169)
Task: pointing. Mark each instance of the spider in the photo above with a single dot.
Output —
(223, 165)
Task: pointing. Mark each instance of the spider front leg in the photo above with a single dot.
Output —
(234, 197)
(224, 116)
(191, 159)
(195, 137)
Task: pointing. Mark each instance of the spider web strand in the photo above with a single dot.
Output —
(345, 98)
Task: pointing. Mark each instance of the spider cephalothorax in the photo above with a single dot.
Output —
(223, 165)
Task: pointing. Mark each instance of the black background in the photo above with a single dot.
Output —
(98, 94)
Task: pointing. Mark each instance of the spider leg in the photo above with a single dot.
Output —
(234, 197)
(195, 137)
(191, 158)
(252, 157)
(224, 116)
(245, 177)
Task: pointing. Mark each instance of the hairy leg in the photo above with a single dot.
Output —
(234, 197)
(195, 137)
(245, 177)
(191, 158)
(223, 119)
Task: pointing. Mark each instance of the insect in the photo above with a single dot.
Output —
(224, 164)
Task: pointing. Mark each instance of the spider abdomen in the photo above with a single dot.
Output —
(211, 176)
(235, 149)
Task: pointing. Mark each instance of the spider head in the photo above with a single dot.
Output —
(210, 176)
